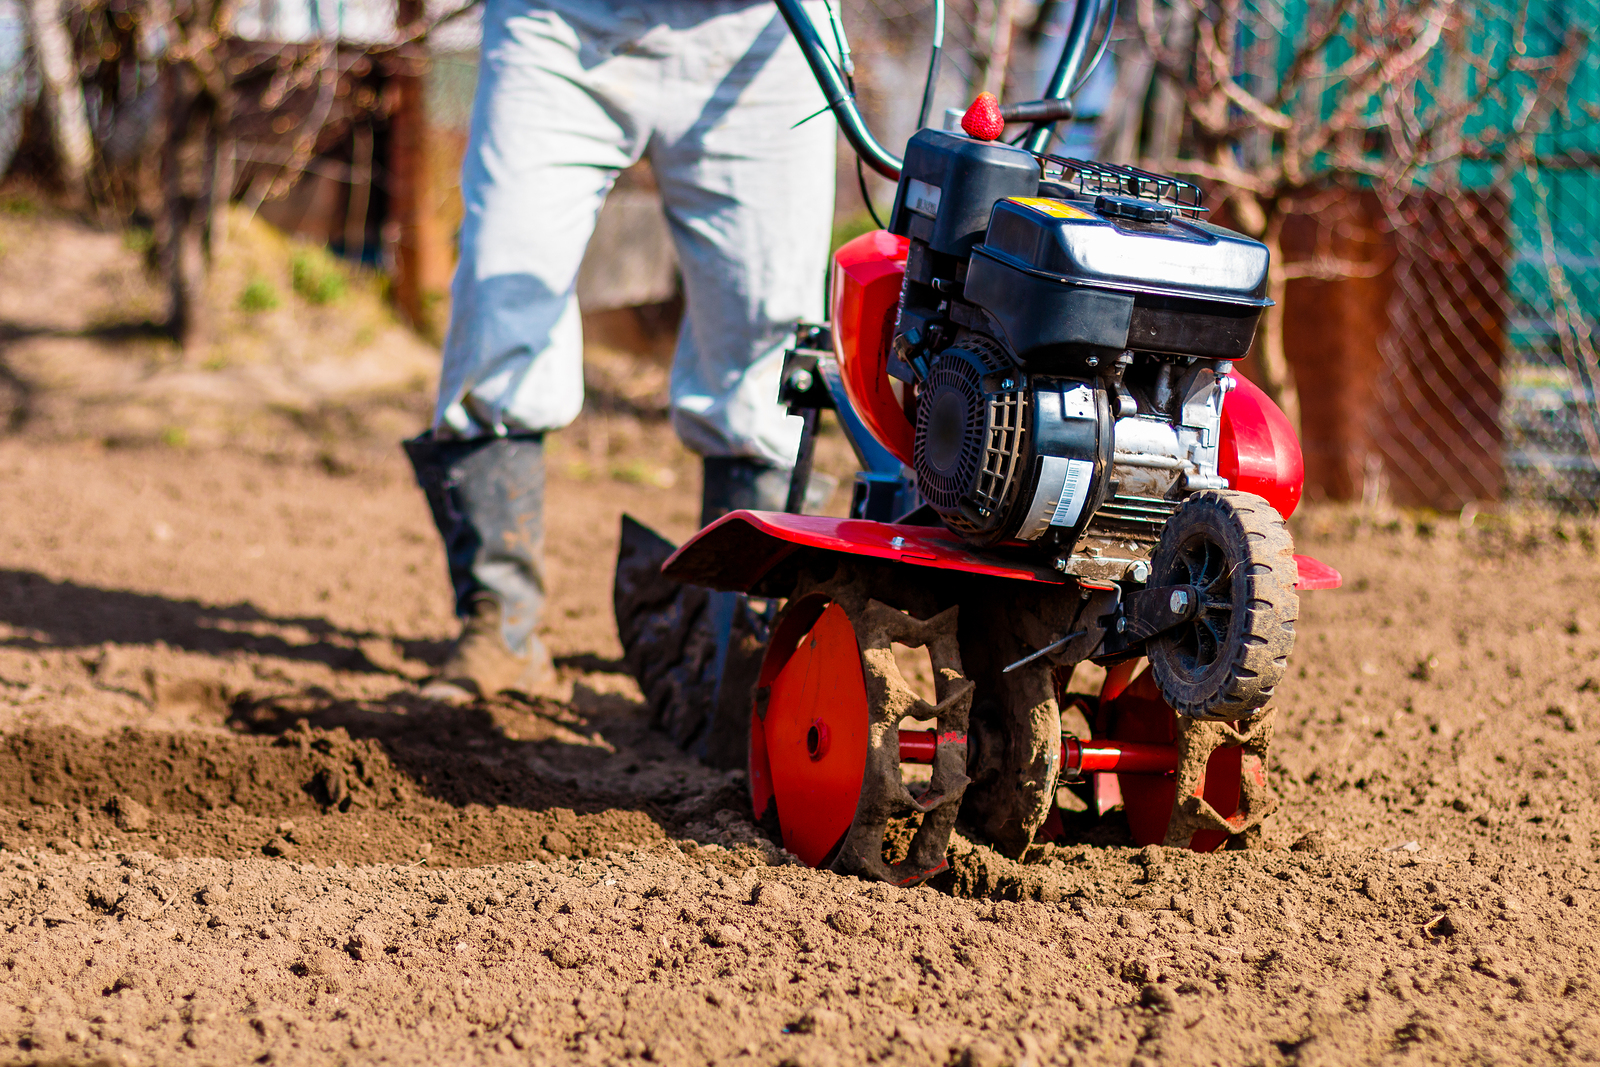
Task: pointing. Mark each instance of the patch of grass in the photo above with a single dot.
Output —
(19, 204)
(640, 472)
(259, 295)
(175, 437)
(847, 230)
(217, 362)
(138, 239)
(316, 276)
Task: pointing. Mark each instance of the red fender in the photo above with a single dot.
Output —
(741, 549)
(1259, 452)
(866, 300)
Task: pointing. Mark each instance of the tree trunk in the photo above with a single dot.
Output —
(1122, 124)
(1000, 36)
(188, 158)
(413, 231)
(1272, 359)
(1167, 102)
(64, 107)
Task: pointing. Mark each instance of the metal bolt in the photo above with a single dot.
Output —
(1141, 571)
(1008, 384)
(1179, 602)
(1122, 625)
(897, 542)
(1061, 565)
(1092, 361)
(801, 380)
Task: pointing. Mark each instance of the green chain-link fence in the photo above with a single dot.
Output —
(1479, 372)
(1550, 416)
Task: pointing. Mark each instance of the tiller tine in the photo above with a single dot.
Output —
(824, 739)
(1218, 790)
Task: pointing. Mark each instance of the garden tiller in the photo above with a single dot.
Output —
(1035, 364)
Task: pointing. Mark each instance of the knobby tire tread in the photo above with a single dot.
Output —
(1269, 606)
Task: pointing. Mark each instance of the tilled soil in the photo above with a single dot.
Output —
(231, 829)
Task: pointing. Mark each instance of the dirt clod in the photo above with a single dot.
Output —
(774, 895)
(130, 815)
(568, 955)
(850, 921)
(985, 1053)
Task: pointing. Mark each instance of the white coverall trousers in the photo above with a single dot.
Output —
(569, 93)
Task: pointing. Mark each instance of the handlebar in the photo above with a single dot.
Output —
(1042, 114)
(1085, 13)
(837, 93)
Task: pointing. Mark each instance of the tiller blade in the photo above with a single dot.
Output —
(825, 741)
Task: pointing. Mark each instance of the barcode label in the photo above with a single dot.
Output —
(1074, 493)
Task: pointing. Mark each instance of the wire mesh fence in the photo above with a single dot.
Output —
(1442, 251)
(1500, 287)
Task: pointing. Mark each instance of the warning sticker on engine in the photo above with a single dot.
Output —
(923, 198)
(1052, 207)
(1074, 493)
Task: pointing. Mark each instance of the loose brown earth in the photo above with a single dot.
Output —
(231, 830)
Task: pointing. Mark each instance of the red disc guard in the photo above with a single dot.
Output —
(808, 743)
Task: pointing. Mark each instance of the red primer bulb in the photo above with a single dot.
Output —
(982, 120)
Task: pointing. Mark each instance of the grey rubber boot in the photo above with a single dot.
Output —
(487, 499)
(737, 626)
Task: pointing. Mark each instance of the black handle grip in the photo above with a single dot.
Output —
(1037, 111)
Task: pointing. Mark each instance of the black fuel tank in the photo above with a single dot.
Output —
(949, 184)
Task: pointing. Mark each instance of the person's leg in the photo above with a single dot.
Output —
(550, 131)
(548, 137)
(750, 200)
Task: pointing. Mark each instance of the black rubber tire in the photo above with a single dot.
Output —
(1225, 663)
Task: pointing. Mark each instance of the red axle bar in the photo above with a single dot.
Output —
(1077, 757)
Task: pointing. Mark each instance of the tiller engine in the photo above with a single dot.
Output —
(1035, 363)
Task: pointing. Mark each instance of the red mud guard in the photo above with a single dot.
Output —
(741, 550)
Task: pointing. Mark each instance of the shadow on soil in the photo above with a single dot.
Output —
(66, 614)
(499, 753)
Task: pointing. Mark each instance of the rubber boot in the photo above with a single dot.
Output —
(487, 499)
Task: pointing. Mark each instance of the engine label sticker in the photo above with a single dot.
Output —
(1074, 493)
(922, 197)
(1054, 208)
(1058, 497)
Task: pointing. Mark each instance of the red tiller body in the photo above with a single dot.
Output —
(1078, 757)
